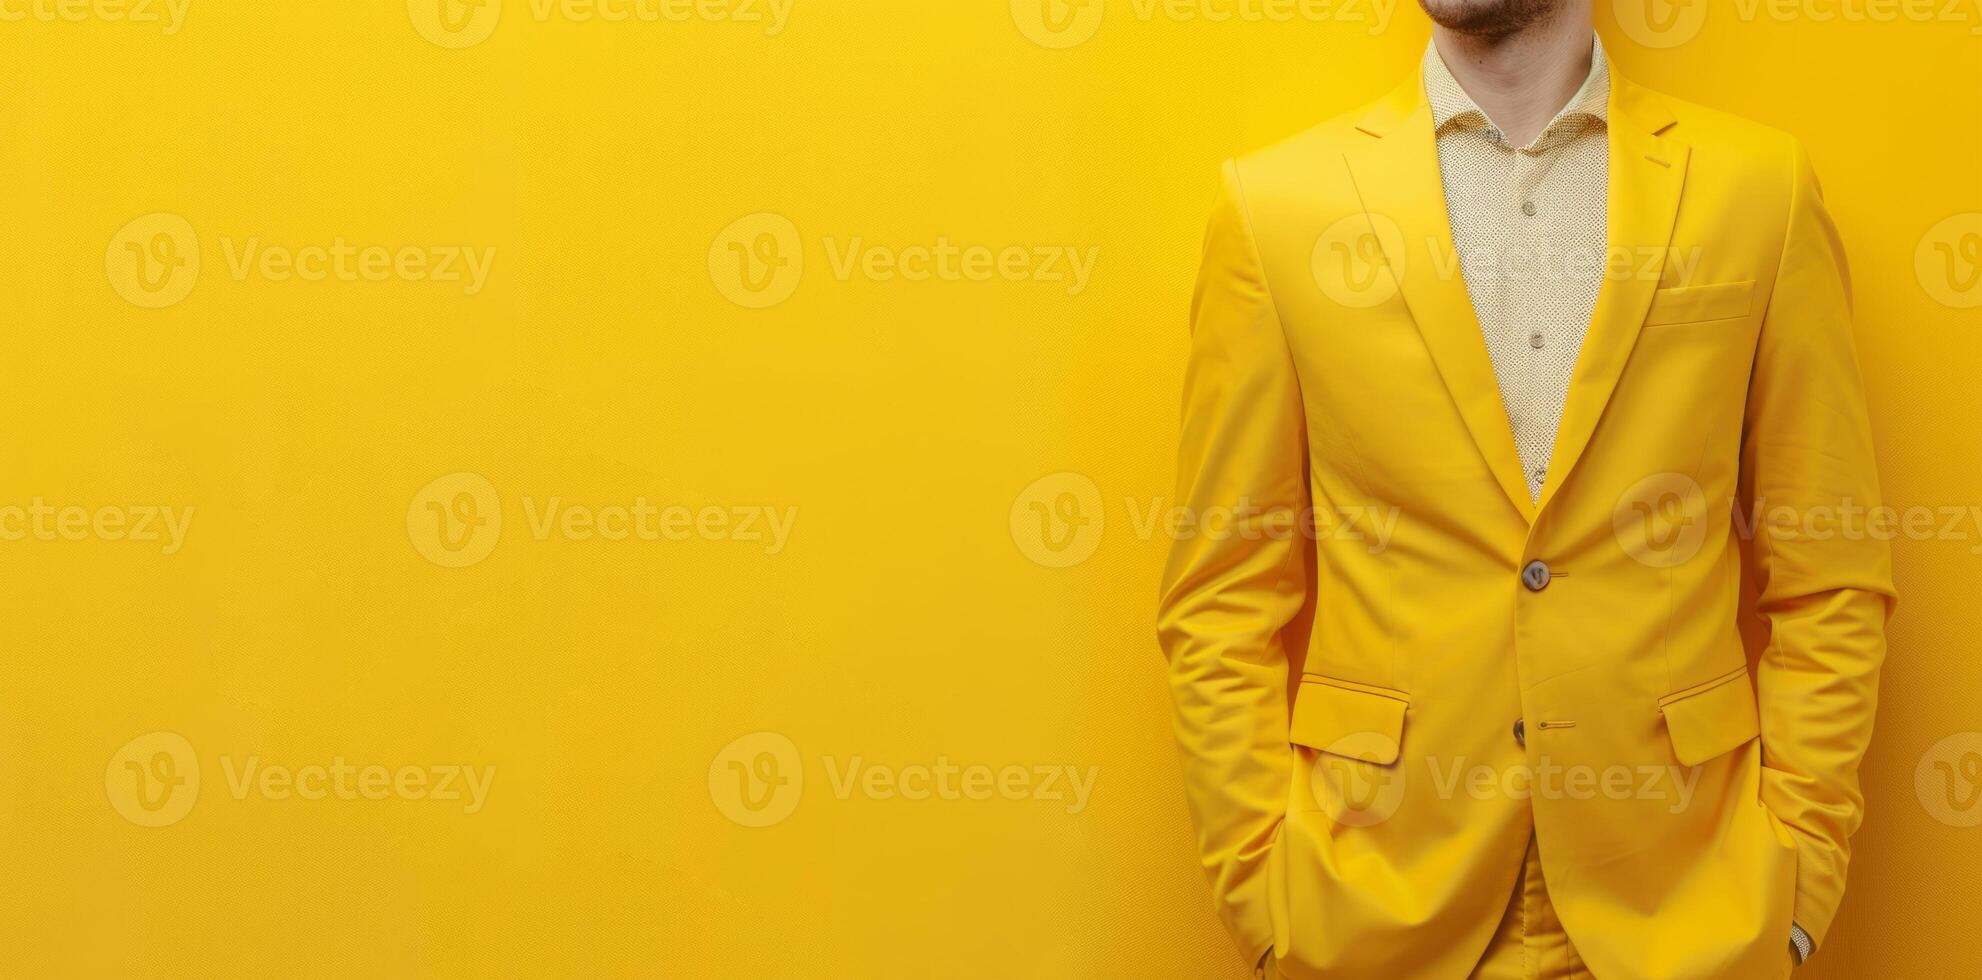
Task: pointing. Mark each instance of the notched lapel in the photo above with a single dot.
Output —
(1647, 177)
(1396, 172)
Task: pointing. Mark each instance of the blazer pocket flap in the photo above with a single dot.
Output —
(1713, 719)
(1689, 304)
(1353, 721)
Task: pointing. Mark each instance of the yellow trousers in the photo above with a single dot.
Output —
(1530, 944)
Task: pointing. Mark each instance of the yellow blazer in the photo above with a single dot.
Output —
(1352, 645)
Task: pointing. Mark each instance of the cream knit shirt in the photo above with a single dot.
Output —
(1529, 226)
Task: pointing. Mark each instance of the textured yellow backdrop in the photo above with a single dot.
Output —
(758, 325)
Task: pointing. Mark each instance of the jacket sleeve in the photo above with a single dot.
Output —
(1822, 568)
(1229, 590)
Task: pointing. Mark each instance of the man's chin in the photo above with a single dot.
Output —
(1488, 18)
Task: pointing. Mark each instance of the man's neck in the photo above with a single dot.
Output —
(1523, 79)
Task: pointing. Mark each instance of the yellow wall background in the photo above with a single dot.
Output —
(910, 623)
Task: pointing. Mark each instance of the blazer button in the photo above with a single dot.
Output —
(1521, 732)
(1535, 576)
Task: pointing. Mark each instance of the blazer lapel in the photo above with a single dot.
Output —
(1647, 175)
(1397, 175)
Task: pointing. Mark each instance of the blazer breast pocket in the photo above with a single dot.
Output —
(1699, 304)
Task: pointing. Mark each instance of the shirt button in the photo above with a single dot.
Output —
(1537, 341)
(1528, 208)
(1535, 576)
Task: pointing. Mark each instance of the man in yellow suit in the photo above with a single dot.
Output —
(1506, 386)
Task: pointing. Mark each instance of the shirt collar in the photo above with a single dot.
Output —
(1450, 103)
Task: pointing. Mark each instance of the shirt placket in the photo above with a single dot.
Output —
(1530, 337)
